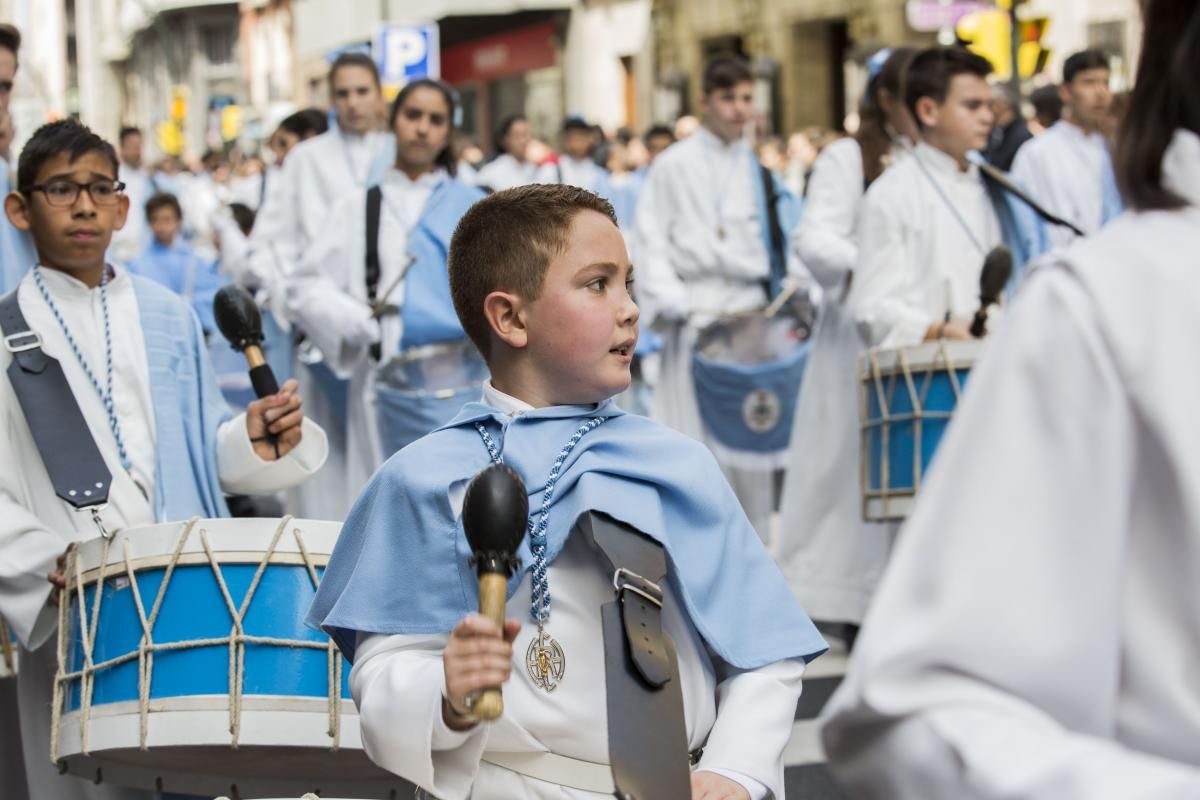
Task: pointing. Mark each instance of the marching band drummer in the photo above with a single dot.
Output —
(704, 245)
(541, 279)
(358, 314)
(136, 366)
(929, 222)
(830, 556)
(1035, 637)
(317, 174)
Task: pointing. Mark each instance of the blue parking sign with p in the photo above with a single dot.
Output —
(405, 52)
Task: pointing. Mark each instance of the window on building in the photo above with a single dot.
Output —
(218, 44)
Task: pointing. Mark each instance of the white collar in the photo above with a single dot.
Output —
(1068, 128)
(502, 402)
(65, 286)
(710, 139)
(1181, 166)
(944, 163)
(395, 177)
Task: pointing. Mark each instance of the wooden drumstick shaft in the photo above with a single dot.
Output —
(493, 589)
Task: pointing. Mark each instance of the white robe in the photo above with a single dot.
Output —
(1063, 169)
(743, 719)
(830, 556)
(327, 296)
(129, 242)
(581, 172)
(1036, 634)
(36, 526)
(687, 275)
(317, 174)
(917, 263)
(505, 172)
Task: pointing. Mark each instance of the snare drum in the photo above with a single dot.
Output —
(185, 665)
(8, 651)
(906, 399)
(747, 370)
(423, 388)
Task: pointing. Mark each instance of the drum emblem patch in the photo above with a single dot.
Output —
(761, 410)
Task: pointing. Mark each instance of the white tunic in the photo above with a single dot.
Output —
(1064, 169)
(743, 719)
(830, 556)
(1036, 634)
(317, 174)
(925, 228)
(505, 172)
(36, 526)
(582, 172)
(129, 242)
(327, 296)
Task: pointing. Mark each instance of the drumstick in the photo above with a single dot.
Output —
(380, 304)
(789, 289)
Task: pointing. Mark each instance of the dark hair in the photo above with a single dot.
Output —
(873, 136)
(506, 242)
(658, 130)
(502, 131)
(574, 122)
(1163, 101)
(68, 136)
(163, 200)
(10, 39)
(306, 121)
(726, 72)
(447, 159)
(1047, 104)
(244, 216)
(931, 71)
(1082, 61)
(126, 132)
(354, 60)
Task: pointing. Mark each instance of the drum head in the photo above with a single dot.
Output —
(752, 338)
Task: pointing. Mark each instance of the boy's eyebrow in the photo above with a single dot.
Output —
(71, 176)
(607, 266)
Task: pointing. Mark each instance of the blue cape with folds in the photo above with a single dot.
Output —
(402, 562)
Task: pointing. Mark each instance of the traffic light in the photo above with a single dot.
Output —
(989, 33)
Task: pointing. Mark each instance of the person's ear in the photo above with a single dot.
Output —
(928, 112)
(16, 207)
(1064, 93)
(505, 313)
(122, 211)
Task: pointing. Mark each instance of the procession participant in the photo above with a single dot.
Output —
(1035, 635)
(1047, 109)
(1068, 169)
(511, 166)
(540, 277)
(361, 319)
(317, 174)
(928, 223)
(705, 245)
(135, 365)
(129, 241)
(16, 248)
(658, 138)
(1010, 130)
(575, 165)
(830, 556)
(173, 263)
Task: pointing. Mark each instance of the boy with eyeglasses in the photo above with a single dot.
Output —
(133, 358)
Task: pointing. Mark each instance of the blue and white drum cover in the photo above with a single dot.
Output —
(191, 670)
(423, 388)
(747, 370)
(907, 398)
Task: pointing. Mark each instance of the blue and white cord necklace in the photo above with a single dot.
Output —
(544, 660)
(105, 392)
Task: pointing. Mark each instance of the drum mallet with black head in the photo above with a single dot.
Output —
(240, 322)
(997, 269)
(495, 516)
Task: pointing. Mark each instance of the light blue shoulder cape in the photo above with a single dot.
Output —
(188, 406)
(17, 254)
(402, 562)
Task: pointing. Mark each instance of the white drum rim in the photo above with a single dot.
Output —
(952, 353)
(233, 540)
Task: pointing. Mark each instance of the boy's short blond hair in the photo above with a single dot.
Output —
(506, 242)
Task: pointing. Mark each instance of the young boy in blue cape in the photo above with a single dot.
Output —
(541, 281)
(133, 358)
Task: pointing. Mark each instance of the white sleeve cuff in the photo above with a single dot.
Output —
(755, 789)
(243, 472)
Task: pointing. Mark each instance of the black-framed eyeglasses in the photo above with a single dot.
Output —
(62, 192)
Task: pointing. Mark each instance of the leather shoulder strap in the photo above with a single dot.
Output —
(374, 210)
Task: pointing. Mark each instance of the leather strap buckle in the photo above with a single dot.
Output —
(23, 341)
(643, 587)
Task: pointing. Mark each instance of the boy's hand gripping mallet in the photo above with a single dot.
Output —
(495, 515)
